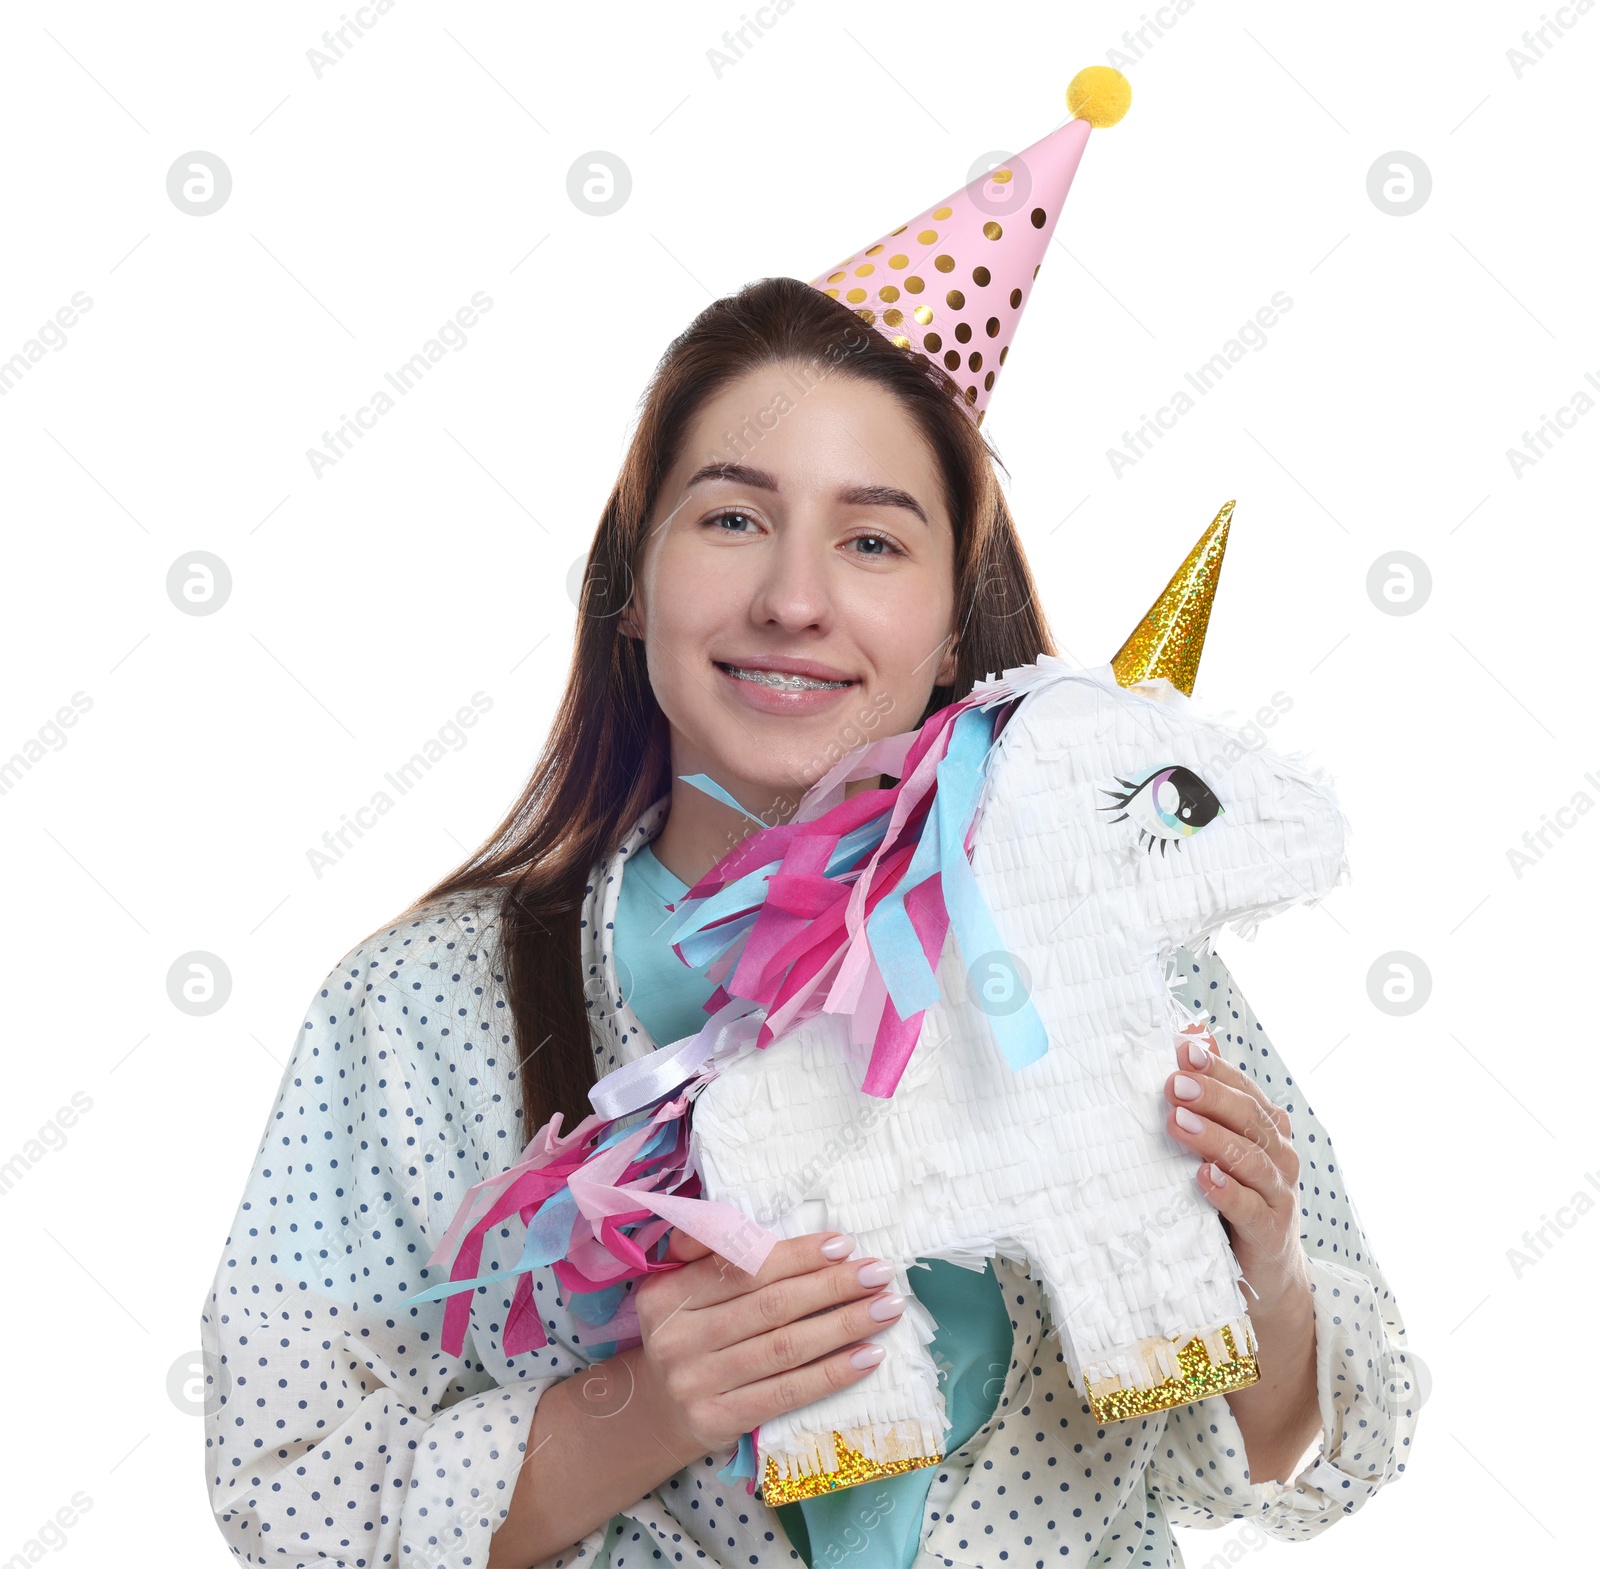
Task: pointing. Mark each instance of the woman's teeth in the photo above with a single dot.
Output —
(783, 680)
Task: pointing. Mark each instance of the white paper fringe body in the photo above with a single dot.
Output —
(1064, 1167)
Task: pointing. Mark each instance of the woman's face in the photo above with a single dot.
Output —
(796, 594)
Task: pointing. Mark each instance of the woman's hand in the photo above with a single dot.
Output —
(1251, 1171)
(721, 1351)
(726, 1351)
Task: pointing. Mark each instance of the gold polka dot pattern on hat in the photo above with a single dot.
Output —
(956, 325)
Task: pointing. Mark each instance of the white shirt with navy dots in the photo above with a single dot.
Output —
(340, 1433)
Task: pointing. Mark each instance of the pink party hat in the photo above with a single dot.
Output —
(950, 284)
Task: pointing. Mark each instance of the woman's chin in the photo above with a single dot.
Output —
(773, 794)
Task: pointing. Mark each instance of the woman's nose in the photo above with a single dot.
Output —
(792, 590)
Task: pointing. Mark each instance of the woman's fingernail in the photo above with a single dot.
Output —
(1187, 1120)
(867, 1356)
(1198, 1055)
(875, 1274)
(1184, 1087)
(886, 1307)
(840, 1246)
(1218, 1175)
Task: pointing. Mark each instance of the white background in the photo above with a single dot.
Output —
(371, 603)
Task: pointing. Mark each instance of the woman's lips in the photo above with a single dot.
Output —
(786, 677)
(768, 699)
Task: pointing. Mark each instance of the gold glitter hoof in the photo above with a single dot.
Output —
(853, 1468)
(1199, 1379)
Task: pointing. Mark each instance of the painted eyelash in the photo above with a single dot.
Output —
(1193, 804)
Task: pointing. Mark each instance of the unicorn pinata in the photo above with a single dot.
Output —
(945, 1014)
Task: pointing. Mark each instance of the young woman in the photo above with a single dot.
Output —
(806, 548)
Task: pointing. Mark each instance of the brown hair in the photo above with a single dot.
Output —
(607, 757)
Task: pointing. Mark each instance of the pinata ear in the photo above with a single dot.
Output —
(950, 284)
(1170, 635)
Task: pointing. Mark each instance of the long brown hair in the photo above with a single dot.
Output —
(607, 757)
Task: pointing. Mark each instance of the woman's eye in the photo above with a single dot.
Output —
(889, 547)
(733, 517)
(1172, 803)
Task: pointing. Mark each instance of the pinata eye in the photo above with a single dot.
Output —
(1170, 804)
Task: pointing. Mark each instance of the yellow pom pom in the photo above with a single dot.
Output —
(1099, 94)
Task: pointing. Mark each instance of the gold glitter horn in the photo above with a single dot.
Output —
(1170, 635)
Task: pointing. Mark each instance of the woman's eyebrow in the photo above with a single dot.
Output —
(850, 495)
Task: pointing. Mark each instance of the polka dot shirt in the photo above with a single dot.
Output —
(339, 1430)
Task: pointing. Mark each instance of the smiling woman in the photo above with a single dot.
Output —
(807, 544)
(742, 615)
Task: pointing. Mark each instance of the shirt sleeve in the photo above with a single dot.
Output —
(1367, 1381)
(339, 1432)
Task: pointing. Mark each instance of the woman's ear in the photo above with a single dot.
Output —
(947, 668)
(628, 621)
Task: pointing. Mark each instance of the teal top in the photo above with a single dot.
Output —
(972, 1345)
